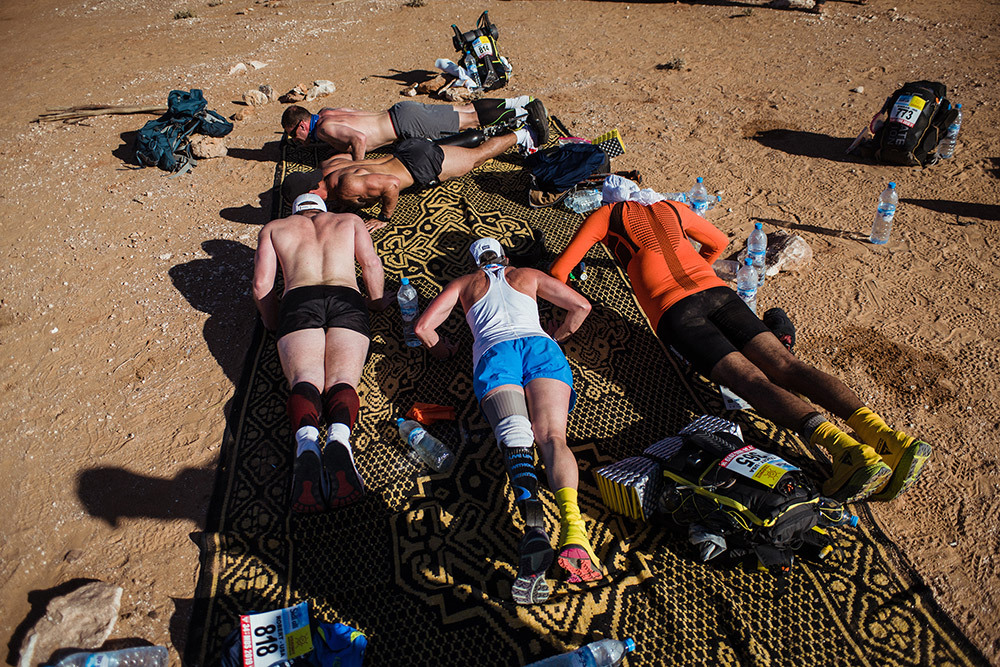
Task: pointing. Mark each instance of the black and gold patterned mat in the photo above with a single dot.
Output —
(423, 564)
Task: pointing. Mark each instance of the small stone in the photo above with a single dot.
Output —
(82, 619)
(238, 68)
(320, 88)
(432, 85)
(256, 64)
(271, 93)
(410, 92)
(243, 113)
(73, 555)
(203, 147)
(165, 256)
(255, 98)
(459, 94)
(859, 89)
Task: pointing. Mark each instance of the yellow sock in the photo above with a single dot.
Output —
(888, 442)
(837, 443)
(571, 528)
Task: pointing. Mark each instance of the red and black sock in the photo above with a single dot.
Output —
(341, 404)
(304, 406)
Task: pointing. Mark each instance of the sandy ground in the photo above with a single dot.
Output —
(125, 309)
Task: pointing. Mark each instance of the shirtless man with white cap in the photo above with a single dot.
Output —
(321, 321)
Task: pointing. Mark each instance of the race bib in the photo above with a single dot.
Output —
(275, 636)
(763, 467)
(482, 47)
(907, 110)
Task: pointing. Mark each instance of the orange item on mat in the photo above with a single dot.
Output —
(428, 413)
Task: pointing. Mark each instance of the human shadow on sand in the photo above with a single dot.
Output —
(412, 77)
(959, 209)
(249, 214)
(113, 493)
(220, 286)
(807, 144)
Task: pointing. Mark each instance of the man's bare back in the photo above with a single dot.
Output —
(355, 132)
(314, 248)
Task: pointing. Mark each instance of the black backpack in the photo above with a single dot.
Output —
(916, 119)
(755, 500)
(480, 56)
(165, 142)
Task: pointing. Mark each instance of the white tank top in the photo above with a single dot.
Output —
(501, 314)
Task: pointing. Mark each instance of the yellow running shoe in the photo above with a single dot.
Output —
(904, 454)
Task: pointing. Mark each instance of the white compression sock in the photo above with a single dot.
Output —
(307, 440)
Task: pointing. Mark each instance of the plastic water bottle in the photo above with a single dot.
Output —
(946, 147)
(882, 224)
(409, 308)
(757, 249)
(584, 201)
(746, 284)
(602, 653)
(140, 656)
(698, 198)
(431, 450)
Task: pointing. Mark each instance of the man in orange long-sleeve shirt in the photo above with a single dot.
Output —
(693, 310)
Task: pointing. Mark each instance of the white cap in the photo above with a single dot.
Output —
(484, 245)
(308, 202)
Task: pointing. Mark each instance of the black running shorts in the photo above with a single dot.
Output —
(422, 158)
(708, 325)
(323, 307)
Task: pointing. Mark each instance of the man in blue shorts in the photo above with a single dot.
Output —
(321, 321)
(525, 388)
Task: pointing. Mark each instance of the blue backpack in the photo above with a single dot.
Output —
(165, 142)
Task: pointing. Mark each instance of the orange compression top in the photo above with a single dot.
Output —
(651, 244)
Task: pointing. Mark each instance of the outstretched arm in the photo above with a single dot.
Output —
(265, 269)
(435, 315)
(371, 266)
(560, 294)
(593, 229)
(712, 241)
(343, 138)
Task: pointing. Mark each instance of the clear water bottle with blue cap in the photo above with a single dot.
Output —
(946, 147)
(432, 451)
(698, 198)
(139, 656)
(757, 249)
(746, 284)
(602, 653)
(409, 308)
(884, 214)
(584, 200)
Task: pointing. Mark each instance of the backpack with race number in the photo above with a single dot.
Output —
(733, 498)
(480, 56)
(914, 119)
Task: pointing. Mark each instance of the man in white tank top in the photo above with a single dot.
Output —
(525, 388)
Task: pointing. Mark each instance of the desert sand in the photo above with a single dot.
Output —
(125, 308)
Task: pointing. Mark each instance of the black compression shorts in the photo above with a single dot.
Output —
(422, 158)
(706, 326)
(323, 307)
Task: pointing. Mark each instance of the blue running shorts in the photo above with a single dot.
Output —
(520, 361)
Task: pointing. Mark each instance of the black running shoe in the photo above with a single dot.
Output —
(536, 556)
(538, 121)
(344, 483)
(308, 494)
(777, 321)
